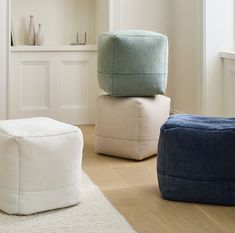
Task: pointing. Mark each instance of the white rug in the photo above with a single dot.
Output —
(94, 214)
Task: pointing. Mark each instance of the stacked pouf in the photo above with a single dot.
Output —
(132, 69)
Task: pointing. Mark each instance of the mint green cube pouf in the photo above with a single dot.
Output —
(132, 63)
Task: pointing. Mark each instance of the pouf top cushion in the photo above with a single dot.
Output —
(200, 122)
(134, 33)
(35, 127)
(133, 63)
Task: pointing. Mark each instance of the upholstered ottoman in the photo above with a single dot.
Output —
(132, 63)
(196, 159)
(130, 127)
(40, 165)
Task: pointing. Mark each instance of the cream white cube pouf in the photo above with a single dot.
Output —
(40, 165)
(129, 127)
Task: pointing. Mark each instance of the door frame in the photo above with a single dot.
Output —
(4, 58)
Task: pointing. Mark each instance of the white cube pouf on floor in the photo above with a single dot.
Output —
(129, 127)
(40, 165)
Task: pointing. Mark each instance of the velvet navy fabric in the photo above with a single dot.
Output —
(196, 159)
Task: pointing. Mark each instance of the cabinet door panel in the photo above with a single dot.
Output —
(29, 86)
(34, 85)
(74, 84)
(61, 85)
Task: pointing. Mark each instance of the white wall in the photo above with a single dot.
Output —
(152, 15)
(60, 19)
(102, 16)
(148, 14)
(186, 61)
(181, 21)
(3, 58)
(219, 35)
(201, 29)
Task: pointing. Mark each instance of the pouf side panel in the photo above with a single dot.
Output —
(178, 189)
(140, 55)
(54, 163)
(117, 147)
(33, 202)
(9, 201)
(154, 113)
(106, 82)
(199, 154)
(48, 159)
(117, 123)
(105, 55)
(129, 149)
(161, 161)
(9, 173)
(147, 148)
(125, 127)
(117, 117)
(138, 85)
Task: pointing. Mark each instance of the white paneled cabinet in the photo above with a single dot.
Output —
(56, 80)
(61, 84)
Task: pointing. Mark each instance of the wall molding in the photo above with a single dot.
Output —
(4, 58)
(229, 85)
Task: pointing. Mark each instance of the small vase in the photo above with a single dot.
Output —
(31, 32)
(39, 36)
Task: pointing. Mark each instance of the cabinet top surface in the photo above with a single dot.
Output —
(228, 54)
(54, 48)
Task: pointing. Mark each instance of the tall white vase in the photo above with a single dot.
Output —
(40, 36)
(31, 32)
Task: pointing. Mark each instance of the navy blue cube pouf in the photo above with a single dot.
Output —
(196, 159)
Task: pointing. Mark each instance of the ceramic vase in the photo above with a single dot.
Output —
(31, 32)
(39, 36)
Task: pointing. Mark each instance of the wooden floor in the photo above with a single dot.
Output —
(132, 188)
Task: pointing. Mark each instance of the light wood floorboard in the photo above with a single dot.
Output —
(132, 188)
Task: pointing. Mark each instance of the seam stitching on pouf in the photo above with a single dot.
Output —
(197, 180)
(43, 136)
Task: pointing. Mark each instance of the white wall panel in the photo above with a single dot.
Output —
(74, 84)
(33, 85)
(219, 36)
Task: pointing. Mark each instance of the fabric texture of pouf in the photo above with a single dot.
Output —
(196, 159)
(130, 127)
(133, 63)
(40, 165)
